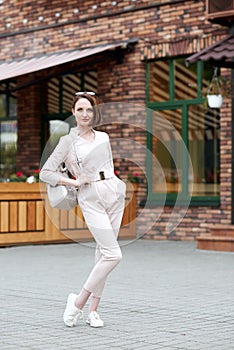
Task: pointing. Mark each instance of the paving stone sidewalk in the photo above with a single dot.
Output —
(163, 295)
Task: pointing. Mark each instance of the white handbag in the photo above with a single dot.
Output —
(62, 197)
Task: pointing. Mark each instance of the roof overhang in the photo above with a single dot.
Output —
(15, 68)
(222, 52)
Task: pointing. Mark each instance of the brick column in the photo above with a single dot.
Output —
(29, 128)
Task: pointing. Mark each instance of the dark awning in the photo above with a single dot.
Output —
(16, 68)
(220, 51)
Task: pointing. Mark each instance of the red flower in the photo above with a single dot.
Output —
(36, 170)
(19, 174)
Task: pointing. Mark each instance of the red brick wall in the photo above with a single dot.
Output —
(163, 20)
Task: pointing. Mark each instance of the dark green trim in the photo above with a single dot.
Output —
(164, 105)
(171, 80)
(147, 77)
(232, 208)
(199, 79)
(7, 119)
(185, 151)
(60, 94)
(82, 81)
(215, 202)
(171, 198)
(149, 148)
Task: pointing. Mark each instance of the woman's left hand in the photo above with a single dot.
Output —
(84, 179)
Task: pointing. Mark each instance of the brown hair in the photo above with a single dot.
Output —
(93, 101)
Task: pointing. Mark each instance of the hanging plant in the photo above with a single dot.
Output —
(219, 88)
(214, 96)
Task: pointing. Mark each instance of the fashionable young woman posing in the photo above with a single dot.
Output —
(87, 155)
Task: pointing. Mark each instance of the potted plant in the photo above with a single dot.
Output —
(219, 87)
(22, 178)
(214, 96)
(135, 180)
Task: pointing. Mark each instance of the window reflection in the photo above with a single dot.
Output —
(167, 151)
(8, 148)
(8, 130)
(204, 140)
(3, 107)
(159, 81)
(185, 80)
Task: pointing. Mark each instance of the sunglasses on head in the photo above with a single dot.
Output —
(85, 92)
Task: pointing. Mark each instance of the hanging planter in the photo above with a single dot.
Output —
(214, 96)
(215, 101)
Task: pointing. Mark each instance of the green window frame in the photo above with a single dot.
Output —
(170, 102)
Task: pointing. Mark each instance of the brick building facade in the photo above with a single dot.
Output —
(142, 32)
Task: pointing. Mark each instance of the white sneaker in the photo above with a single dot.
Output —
(94, 320)
(71, 312)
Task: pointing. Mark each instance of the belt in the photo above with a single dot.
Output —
(103, 175)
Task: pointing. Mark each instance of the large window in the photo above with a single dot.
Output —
(8, 130)
(178, 115)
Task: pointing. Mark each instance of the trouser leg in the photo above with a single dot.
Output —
(115, 217)
(95, 298)
(110, 255)
(103, 233)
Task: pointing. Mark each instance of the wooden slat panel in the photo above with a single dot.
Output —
(13, 216)
(72, 219)
(40, 216)
(22, 218)
(31, 215)
(125, 219)
(80, 221)
(4, 217)
(63, 219)
(55, 221)
(51, 222)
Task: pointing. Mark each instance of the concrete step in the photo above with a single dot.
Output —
(212, 242)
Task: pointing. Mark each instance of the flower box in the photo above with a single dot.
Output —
(26, 217)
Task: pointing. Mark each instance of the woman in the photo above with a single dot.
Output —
(87, 155)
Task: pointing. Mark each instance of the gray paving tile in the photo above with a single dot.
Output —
(163, 295)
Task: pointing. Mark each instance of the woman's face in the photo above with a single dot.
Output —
(83, 113)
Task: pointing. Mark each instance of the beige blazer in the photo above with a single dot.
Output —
(98, 158)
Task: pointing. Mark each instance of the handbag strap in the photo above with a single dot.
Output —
(76, 155)
(63, 167)
(75, 152)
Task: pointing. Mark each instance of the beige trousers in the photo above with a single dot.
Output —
(102, 204)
